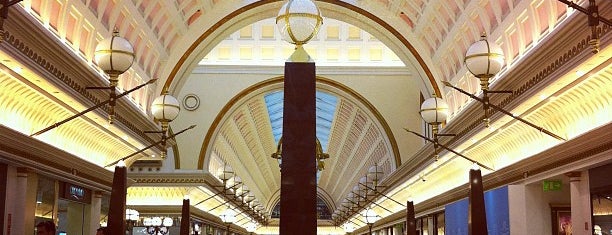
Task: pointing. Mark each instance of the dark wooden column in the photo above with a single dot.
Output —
(3, 190)
(477, 219)
(298, 213)
(185, 217)
(116, 210)
(410, 220)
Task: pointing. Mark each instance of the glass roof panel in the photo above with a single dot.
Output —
(325, 110)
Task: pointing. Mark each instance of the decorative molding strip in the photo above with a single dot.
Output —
(198, 178)
(321, 70)
(180, 181)
(61, 76)
(466, 122)
(20, 150)
(537, 164)
(543, 76)
(33, 45)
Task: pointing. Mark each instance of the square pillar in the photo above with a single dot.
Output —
(477, 218)
(298, 171)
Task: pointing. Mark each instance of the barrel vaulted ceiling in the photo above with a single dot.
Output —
(430, 38)
(170, 36)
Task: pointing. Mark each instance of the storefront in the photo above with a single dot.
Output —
(71, 207)
(601, 199)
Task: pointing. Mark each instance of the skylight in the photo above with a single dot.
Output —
(325, 109)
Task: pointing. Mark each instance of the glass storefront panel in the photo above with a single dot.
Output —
(440, 223)
(602, 214)
(104, 207)
(45, 200)
(71, 218)
(601, 199)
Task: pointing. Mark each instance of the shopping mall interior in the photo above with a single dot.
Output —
(409, 97)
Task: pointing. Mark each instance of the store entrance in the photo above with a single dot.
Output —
(71, 217)
(601, 199)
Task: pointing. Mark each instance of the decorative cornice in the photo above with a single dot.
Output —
(169, 181)
(471, 118)
(26, 152)
(192, 178)
(59, 66)
(578, 51)
(321, 70)
(558, 63)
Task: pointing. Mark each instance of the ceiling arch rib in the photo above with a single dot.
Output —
(238, 142)
(202, 44)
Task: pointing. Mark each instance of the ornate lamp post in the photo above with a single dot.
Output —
(484, 60)
(434, 111)
(114, 56)
(370, 218)
(165, 108)
(157, 225)
(299, 21)
(225, 174)
(131, 216)
(375, 173)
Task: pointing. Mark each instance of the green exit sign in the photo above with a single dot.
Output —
(551, 185)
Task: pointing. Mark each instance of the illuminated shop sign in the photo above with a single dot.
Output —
(76, 193)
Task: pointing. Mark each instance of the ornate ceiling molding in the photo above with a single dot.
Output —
(188, 58)
(578, 99)
(193, 179)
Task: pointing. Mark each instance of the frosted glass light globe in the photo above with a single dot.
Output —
(165, 108)
(298, 21)
(114, 55)
(484, 59)
(434, 110)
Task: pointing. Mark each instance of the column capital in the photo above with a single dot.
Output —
(573, 174)
(23, 171)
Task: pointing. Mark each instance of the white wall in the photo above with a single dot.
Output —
(530, 208)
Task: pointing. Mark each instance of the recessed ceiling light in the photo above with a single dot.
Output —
(543, 96)
(17, 69)
(579, 73)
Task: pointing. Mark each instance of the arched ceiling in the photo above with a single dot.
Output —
(355, 138)
(429, 37)
(170, 37)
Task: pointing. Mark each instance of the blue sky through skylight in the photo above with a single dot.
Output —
(325, 105)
